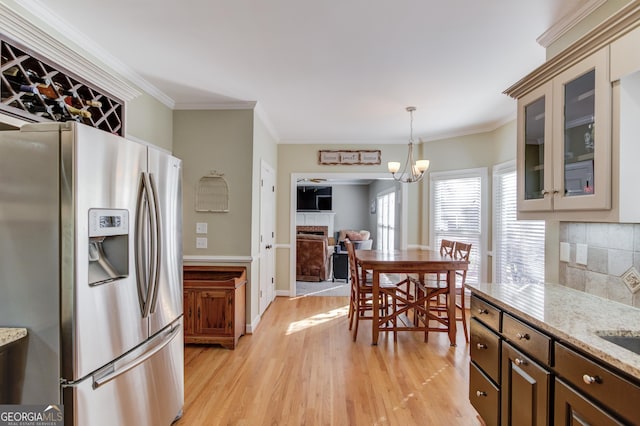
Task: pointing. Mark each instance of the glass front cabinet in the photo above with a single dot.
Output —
(564, 140)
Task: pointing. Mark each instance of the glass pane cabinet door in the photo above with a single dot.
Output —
(582, 135)
(579, 142)
(534, 149)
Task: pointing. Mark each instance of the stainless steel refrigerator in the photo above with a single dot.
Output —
(91, 265)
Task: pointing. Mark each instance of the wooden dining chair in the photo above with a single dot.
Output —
(360, 303)
(437, 289)
(461, 251)
(440, 292)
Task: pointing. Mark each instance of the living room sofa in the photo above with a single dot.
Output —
(360, 239)
(313, 257)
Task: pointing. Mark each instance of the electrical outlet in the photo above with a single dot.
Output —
(201, 243)
(581, 254)
(201, 228)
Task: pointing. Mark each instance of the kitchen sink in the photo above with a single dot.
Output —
(625, 339)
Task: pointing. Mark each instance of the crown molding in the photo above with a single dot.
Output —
(214, 106)
(617, 25)
(17, 22)
(567, 22)
(19, 28)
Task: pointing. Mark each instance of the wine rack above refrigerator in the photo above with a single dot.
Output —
(34, 89)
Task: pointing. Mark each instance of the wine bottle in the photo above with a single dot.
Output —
(92, 103)
(26, 88)
(76, 101)
(35, 78)
(77, 112)
(47, 90)
(13, 74)
(11, 71)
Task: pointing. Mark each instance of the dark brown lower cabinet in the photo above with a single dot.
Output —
(525, 388)
(484, 396)
(571, 408)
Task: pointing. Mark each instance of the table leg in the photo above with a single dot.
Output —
(375, 305)
(451, 307)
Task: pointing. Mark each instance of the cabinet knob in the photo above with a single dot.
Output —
(480, 393)
(544, 192)
(481, 346)
(519, 361)
(522, 336)
(590, 379)
(482, 311)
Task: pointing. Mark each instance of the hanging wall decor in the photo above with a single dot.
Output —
(348, 157)
(212, 193)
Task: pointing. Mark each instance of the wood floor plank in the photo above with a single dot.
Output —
(301, 367)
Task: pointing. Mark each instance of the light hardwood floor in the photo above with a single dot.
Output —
(301, 367)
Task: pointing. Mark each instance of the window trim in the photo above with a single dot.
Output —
(483, 174)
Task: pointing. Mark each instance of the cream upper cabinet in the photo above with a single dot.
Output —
(564, 140)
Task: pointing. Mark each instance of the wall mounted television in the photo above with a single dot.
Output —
(314, 198)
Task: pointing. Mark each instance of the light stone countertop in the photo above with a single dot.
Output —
(571, 316)
(8, 335)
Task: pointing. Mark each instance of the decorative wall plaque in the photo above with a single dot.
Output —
(349, 157)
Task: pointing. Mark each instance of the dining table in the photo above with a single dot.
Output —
(410, 261)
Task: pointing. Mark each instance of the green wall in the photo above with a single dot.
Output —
(220, 140)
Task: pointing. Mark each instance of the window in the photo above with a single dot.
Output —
(518, 244)
(386, 211)
(458, 213)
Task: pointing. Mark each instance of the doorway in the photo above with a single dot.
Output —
(329, 177)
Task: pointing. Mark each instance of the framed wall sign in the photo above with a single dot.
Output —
(349, 157)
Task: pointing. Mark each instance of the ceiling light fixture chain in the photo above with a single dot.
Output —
(413, 171)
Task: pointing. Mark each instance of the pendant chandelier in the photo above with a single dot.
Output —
(413, 171)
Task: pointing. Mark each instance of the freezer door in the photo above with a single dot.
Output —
(146, 387)
(29, 255)
(165, 174)
(100, 322)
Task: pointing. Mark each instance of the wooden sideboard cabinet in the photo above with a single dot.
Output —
(214, 304)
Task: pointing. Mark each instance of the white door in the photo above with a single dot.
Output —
(267, 232)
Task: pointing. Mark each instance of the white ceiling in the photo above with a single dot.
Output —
(333, 71)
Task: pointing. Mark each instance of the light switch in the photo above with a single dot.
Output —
(565, 252)
(201, 243)
(581, 254)
(201, 228)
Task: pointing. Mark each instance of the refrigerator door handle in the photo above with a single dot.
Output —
(120, 367)
(146, 251)
(157, 234)
(141, 246)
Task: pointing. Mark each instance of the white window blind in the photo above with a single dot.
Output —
(386, 212)
(518, 244)
(457, 215)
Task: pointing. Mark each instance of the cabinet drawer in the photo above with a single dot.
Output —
(484, 396)
(598, 382)
(485, 349)
(526, 338)
(485, 312)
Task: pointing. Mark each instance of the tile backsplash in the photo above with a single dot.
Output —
(612, 268)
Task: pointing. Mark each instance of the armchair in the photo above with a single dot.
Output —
(313, 255)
